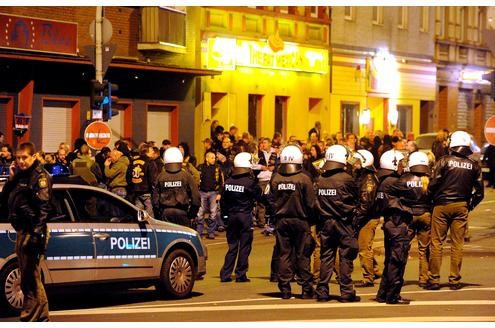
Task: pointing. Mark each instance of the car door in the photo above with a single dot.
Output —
(70, 256)
(125, 248)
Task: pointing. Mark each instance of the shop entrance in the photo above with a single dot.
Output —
(281, 115)
(349, 118)
(254, 115)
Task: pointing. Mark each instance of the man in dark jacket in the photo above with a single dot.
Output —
(140, 180)
(367, 217)
(294, 205)
(239, 195)
(29, 194)
(175, 196)
(456, 187)
(337, 193)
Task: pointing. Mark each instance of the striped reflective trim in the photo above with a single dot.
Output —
(113, 257)
(121, 230)
(7, 231)
(69, 230)
(176, 231)
(68, 258)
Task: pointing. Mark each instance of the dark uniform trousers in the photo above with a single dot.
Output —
(366, 236)
(35, 306)
(396, 253)
(240, 240)
(294, 238)
(455, 217)
(337, 234)
(175, 215)
(420, 227)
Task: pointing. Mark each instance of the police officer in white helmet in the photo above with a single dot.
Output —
(456, 187)
(294, 203)
(175, 195)
(367, 217)
(337, 195)
(239, 196)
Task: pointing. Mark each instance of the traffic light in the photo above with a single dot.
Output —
(96, 94)
(109, 100)
(491, 78)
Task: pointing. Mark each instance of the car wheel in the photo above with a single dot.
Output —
(11, 297)
(178, 275)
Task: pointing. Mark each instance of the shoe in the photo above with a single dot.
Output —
(353, 298)
(455, 286)
(467, 239)
(399, 301)
(432, 286)
(226, 280)
(286, 295)
(378, 299)
(242, 279)
(323, 298)
(221, 229)
(307, 295)
(210, 236)
(422, 284)
(273, 279)
(363, 284)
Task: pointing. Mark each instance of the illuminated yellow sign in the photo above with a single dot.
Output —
(226, 54)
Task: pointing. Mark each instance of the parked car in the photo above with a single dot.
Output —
(98, 237)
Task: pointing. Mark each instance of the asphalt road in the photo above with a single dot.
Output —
(259, 299)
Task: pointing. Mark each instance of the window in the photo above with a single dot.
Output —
(61, 207)
(403, 17)
(172, 26)
(100, 207)
(313, 11)
(404, 121)
(378, 15)
(424, 19)
(440, 22)
(349, 13)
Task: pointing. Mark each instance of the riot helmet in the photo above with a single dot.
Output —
(173, 159)
(291, 159)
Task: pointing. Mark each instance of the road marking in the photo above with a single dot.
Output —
(411, 319)
(259, 307)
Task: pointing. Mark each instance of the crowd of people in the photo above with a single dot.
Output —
(323, 199)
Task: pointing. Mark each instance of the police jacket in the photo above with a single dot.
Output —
(337, 195)
(408, 195)
(456, 178)
(239, 194)
(368, 184)
(139, 178)
(29, 196)
(292, 196)
(176, 190)
(387, 179)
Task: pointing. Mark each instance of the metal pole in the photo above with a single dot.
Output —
(98, 44)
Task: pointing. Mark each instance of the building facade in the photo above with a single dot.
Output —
(46, 72)
(383, 70)
(461, 54)
(275, 69)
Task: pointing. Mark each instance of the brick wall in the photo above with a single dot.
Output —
(125, 23)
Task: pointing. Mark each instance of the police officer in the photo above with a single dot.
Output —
(293, 200)
(419, 164)
(392, 195)
(239, 195)
(407, 197)
(456, 187)
(29, 194)
(175, 194)
(367, 217)
(337, 195)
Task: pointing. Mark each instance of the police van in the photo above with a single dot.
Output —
(98, 237)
